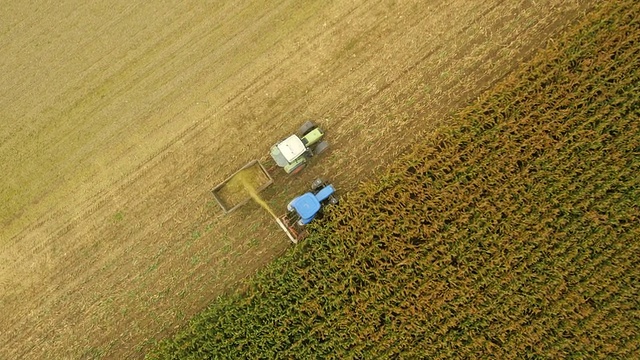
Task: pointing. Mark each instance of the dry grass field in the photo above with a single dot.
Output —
(116, 119)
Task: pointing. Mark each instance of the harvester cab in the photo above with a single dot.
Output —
(292, 153)
(306, 207)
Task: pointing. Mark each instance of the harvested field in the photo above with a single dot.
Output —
(119, 118)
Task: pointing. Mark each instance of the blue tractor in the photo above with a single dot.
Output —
(306, 207)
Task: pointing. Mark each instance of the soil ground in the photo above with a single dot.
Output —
(119, 118)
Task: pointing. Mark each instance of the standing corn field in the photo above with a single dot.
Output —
(514, 233)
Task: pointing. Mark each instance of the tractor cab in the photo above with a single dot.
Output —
(292, 153)
(288, 150)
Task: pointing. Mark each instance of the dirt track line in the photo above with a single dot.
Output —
(403, 73)
(291, 55)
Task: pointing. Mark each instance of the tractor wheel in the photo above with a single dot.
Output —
(306, 128)
(320, 147)
(316, 184)
(333, 200)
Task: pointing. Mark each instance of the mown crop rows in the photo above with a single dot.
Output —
(514, 233)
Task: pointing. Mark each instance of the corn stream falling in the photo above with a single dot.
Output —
(244, 179)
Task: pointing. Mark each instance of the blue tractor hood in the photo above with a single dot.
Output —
(323, 194)
(308, 205)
